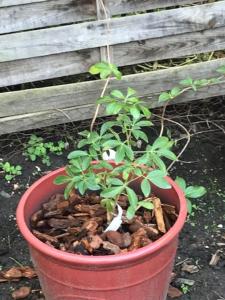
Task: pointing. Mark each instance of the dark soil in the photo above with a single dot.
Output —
(203, 235)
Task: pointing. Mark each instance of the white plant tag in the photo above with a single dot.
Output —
(116, 222)
(109, 155)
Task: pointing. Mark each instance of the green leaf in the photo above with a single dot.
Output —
(134, 111)
(8, 177)
(181, 182)
(221, 70)
(110, 144)
(129, 152)
(117, 94)
(160, 142)
(81, 187)
(158, 161)
(187, 82)
(120, 154)
(92, 185)
(102, 68)
(85, 163)
(175, 92)
(195, 191)
(115, 181)
(132, 197)
(164, 97)
(113, 108)
(138, 134)
(115, 71)
(68, 189)
(142, 159)
(104, 164)
(131, 92)
(168, 154)
(61, 179)
(144, 124)
(109, 204)
(106, 126)
(145, 187)
(138, 172)
(111, 192)
(130, 212)
(157, 178)
(189, 205)
(145, 111)
(146, 204)
(76, 154)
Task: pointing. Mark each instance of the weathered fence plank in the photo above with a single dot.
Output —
(95, 34)
(58, 65)
(70, 95)
(18, 2)
(126, 6)
(58, 12)
(43, 14)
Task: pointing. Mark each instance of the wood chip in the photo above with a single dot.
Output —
(114, 249)
(87, 245)
(159, 214)
(44, 237)
(137, 238)
(21, 293)
(90, 225)
(174, 292)
(152, 232)
(62, 223)
(96, 242)
(115, 238)
(62, 204)
(215, 258)
(51, 205)
(37, 216)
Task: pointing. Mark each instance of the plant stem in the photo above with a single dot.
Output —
(98, 106)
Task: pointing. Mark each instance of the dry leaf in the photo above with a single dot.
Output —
(28, 272)
(13, 273)
(21, 293)
(159, 214)
(174, 292)
(189, 268)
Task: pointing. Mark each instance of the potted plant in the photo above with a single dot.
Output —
(113, 235)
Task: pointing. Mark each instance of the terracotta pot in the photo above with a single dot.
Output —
(143, 274)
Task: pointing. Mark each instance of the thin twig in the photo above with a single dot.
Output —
(187, 142)
(162, 119)
(98, 106)
(108, 58)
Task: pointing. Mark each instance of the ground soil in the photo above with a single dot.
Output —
(204, 164)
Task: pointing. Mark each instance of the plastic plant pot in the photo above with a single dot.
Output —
(143, 274)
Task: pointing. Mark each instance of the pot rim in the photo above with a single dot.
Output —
(104, 261)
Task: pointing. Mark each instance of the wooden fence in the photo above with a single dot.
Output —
(42, 39)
